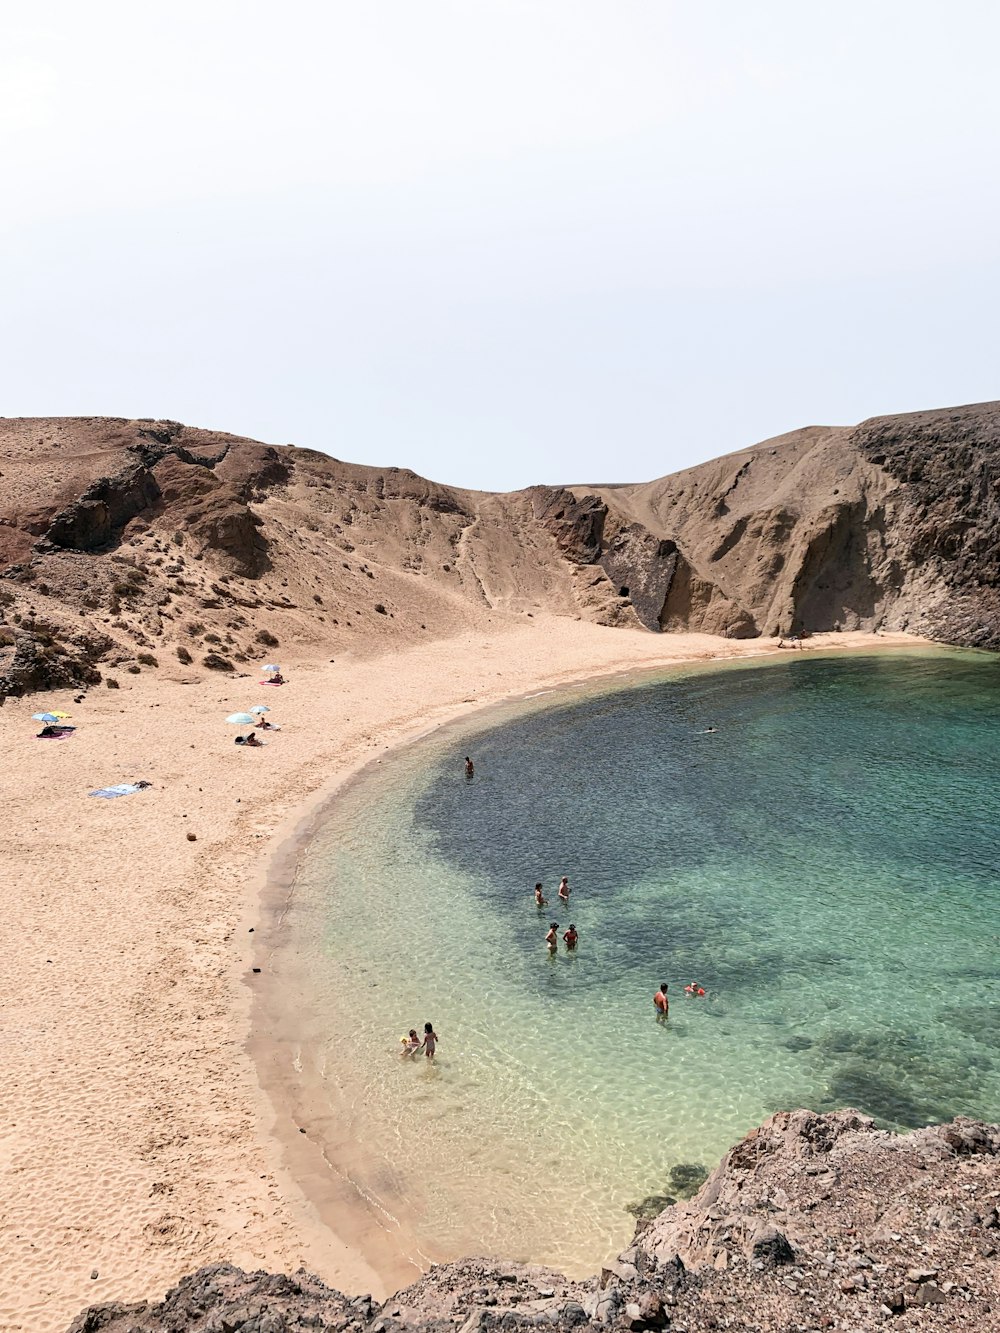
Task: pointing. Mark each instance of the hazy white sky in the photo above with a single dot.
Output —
(500, 241)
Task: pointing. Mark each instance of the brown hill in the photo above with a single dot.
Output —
(132, 544)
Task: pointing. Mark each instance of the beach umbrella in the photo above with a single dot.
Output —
(240, 719)
(46, 717)
(260, 708)
(272, 667)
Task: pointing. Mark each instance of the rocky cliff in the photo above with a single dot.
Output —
(129, 544)
(811, 1222)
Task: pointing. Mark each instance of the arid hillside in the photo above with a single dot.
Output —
(137, 545)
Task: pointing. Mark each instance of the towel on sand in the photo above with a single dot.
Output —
(122, 789)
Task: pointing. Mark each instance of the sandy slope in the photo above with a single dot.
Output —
(135, 1144)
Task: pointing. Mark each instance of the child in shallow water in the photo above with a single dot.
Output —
(430, 1040)
(411, 1043)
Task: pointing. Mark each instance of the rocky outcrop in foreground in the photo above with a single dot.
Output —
(812, 1222)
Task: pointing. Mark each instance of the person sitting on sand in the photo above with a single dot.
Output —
(251, 740)
(263, 723)
(277, 679)
(564, 889)
(540, 899)
(552, 938)
(411, 1043)
(470, 768)
(430, 1040)
(660, 1002)
(570, 937)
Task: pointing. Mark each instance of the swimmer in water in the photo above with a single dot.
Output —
(570, 937)
(470, 768)
(564, 889)
(430, 1040)
(661, 1003)
(552, 938)
(694, 989)
(540, 899)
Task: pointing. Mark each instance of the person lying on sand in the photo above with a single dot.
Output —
(252, 740)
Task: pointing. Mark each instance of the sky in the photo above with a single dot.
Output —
(500, 242)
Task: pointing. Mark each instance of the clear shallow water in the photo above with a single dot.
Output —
(825, 864)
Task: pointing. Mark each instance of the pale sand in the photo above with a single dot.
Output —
(135, 1143)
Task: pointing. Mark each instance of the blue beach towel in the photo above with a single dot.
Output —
(123, 789)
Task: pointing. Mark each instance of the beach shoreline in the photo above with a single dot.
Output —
(300, 1102)
(143, 1140)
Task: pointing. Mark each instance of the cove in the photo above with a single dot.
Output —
(823, 862)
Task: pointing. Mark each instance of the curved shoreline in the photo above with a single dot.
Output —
(139, 1143)
(298, 1104)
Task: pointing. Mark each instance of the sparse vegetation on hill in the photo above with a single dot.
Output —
(119, 538)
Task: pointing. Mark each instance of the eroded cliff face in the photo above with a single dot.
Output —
(812, 1222)
(894, 525)
(202, 546)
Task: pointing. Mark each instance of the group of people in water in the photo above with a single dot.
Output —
(661, 1000)
(570, 936)
(412, 1044)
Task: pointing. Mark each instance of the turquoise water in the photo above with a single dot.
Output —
(824, 863)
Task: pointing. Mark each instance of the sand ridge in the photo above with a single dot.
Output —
(136, 1143)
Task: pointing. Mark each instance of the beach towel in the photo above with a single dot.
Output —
(271, 682)
(55, 735)
(123, 789)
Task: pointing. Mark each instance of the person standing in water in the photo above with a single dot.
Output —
(661, 1003)
(470, 768)
(430, 1040)
(540, 899)
(552, 938)
(564, 889)
(570, 937)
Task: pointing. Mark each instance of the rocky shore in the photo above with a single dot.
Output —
(812, 1222)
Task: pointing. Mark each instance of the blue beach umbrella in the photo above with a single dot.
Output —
(44, 717)
(260, 708)
(240, 719)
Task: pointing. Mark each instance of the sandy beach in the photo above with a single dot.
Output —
(137, 1143)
